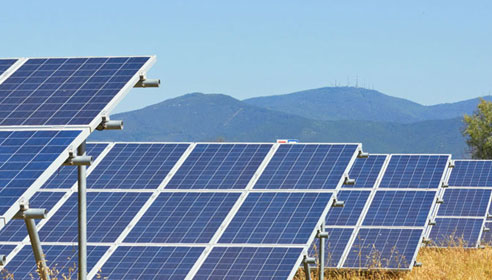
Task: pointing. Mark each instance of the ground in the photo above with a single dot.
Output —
(437, 264)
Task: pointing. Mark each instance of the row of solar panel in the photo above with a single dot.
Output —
(291, 209)
(417, 175)
(361, 177)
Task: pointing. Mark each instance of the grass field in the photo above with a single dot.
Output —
(437, 264)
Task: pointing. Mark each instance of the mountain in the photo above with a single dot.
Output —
(218, 117)
(350, 103)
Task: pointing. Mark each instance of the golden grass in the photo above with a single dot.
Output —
(437, 264)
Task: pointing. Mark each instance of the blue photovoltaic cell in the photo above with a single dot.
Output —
(58, 257)
(108, 214)
(5, 64)
(150, 262)
(298, 166)
(135, 166)
(15, 230)
(24, 156)
(276, 218)
(219, 166)
(64, 91)
(471, 173)
(248, 263)
(465, 202)
(183, 218)
(414, 171)
(349, 214)
(384, 248)
(5, 250)
(487, 235)
(365, 171)
(335, 244)
(66, 176)
(400, 208)
(452, 232)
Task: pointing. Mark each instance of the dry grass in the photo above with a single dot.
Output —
(437, 264)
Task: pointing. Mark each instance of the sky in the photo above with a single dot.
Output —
(426, 51)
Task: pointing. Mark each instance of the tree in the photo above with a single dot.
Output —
(478, 131)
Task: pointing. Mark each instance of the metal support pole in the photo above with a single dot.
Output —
(306, 261)
(82, 215)
(36, 249)
(321, 252)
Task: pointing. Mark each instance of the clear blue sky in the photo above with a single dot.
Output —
(426, 51)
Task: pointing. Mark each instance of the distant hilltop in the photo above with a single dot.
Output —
(384, 124)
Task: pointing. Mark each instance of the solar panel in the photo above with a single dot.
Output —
(66, 176)
(135, 262)
(471, 173)
(66, 91)
(307, 166)
(349, 214)
(219, 166)
(335, 244)
(135, 166)
(5, 64)
(249, 263)
(400, 208)
(384, 248)
(365, 171)
(16, 230)
(108, 214)
(58, 258)
(183, 218)
(487, 235)
(465, 202)
(452, 232)
(276, 218)
(414, 171)
(27, 157)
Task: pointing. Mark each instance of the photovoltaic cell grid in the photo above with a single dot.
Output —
(276, 218)
(456, 232)
(16, 230)
(400, 208)
(465, 203)
(219, 166)
(5, 64)
(487, 235)
(471, 173)
(260, 263)
(384, 248)
(349, 214)
(58, 257)
(66, 176)
(64, 91)
(108, 214)
(335, 244)
(25, 156)
(135, 166)
(183, 218)
(298, 166)
(365, 171)
(414, 171)
(150, 262)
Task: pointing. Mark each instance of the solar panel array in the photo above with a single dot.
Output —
(463, 215)
(383, 225)
(211, 225)
(48, 107)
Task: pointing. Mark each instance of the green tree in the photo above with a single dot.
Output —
(478, 131)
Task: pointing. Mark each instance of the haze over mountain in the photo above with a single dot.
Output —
(351, 103)
(218, 117)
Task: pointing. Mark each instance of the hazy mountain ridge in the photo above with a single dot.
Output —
(213, 117)
(350, 103)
